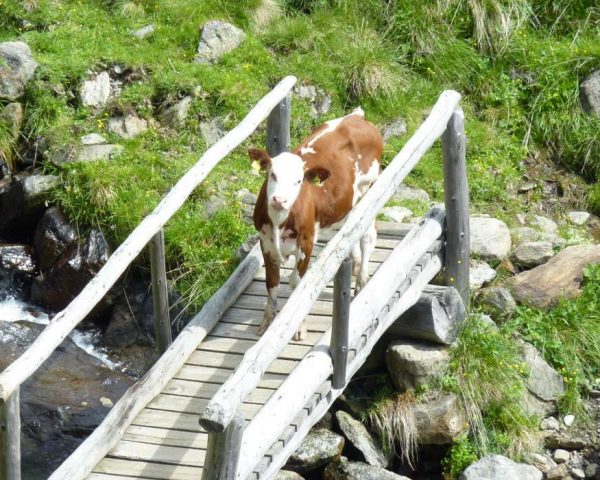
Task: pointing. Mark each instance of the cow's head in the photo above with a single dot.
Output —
(285, 174)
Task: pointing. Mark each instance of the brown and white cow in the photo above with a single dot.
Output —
(310, 189)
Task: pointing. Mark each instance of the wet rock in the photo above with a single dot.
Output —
(560, 277)
(127, 127)
(212, 131)
(53, 235)
(404, 192)
(497, 467)
(143, 32)
(60, 404)
(497, 301)
(532, 254)
(17, 268)
(412, 364)
(361, 439)
(347, 470)
(396, 214)
(589, 94)
(217, 39)
(71, 272)
(394, 129)
(441, 420)
(96, 91)
(319, 448)
(480, 274)
(175, 115)
(490, 238)
(578, 218)
(16, 69)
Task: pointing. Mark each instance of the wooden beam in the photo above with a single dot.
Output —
(160, 293)
(278, 127)
(456, 198)
(340, 328)
(65, 321)
(10, 438)
(220, 411)
(223, 451)
(107, 434)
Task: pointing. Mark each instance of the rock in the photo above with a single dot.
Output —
(12, 116)
(212, 131)
(53, 235)
(577, 473)
(497, 301)
(17, 268)
(560, 277)
(396, 214)
(319, 448)
(217, 39)
(244, 249)
(60, 404)
(92, 153)
(543, 463)
(412, 364)
(361, 439)
(319, 100)
(127, 127)
(394, 129)
(557, 473)
(404, 192)
(532, 254)
(96, 91)
(346, 470)
(175, 115)
(545, 224)
(287, 475)
(589, 94)
(490, 238)
(16, 69)
(441, 420)
(143, 32)
(568, 420)
(35, 188)
(480, 274)
(497, 467)
(566, 441)
(578, 218)
(543, 381)
(525, 235)
(92, 139)
(561, 456)
(591, 471)
(550, 423)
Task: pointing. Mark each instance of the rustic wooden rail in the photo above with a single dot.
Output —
(150, 228)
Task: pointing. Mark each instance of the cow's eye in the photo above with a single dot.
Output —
(298, 182)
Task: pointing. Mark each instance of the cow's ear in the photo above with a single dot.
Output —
(317, 175)
(260, 156)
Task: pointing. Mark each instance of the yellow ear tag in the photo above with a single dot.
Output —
(256, 165)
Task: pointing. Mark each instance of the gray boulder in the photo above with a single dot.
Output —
(441, 420)
(490, 238)
(127, 127)
(12, 116)
(92, 139)
(361, 439)
(589, 94)
(212, 131)
(287, 475)
(497, 467)
(545, 385)
(560, 277)
(578, 218)
(96, 91)
(175, 115)
(346, 470)
(521, 235)
(480, 274)
(53, 235)
(319, 448)
(319, 99)
(394, 129)
(143, 32)
(532, 254)
(404, 192)
(396, 214)
(16, 69)
(217, 39)
(412, 364)
(497, 301)
(545, 224)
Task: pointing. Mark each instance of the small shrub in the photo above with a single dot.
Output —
(462, 453)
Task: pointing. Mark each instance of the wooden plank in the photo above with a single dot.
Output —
(218, 344)
(207, 390)
(149, 452)
(231, 360)
(254, 317)
(154, 471)
(250, 332)
(182, 404)
(256, 302)
(219, 375)
(170, 420)
(163, 436)
(104, 476)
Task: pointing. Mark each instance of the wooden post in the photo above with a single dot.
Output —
(10, 438)
(160, 295)
(340, 326)
(223, 451)
(278, 127)
(456, 198)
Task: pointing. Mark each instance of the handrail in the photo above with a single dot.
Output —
(223, 406)
(66, 320)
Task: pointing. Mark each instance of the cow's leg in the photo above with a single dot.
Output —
(272, 274)
(367, 245)
(301, 267)
(356, 260)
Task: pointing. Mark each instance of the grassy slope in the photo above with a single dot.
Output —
(520, 87)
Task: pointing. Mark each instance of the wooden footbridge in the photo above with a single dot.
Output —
(222, 403)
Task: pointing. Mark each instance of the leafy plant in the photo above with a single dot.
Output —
(462, 453)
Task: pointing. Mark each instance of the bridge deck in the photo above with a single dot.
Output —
(165, 441)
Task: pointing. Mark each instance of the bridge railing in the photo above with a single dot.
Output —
(274, 106)
(221, 418)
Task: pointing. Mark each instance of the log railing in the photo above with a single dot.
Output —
(446, 120)
(150, 229)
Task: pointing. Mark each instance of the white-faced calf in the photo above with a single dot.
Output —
(344, 155)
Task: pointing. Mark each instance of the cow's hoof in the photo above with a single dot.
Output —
(263, 327)
(300, 334)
